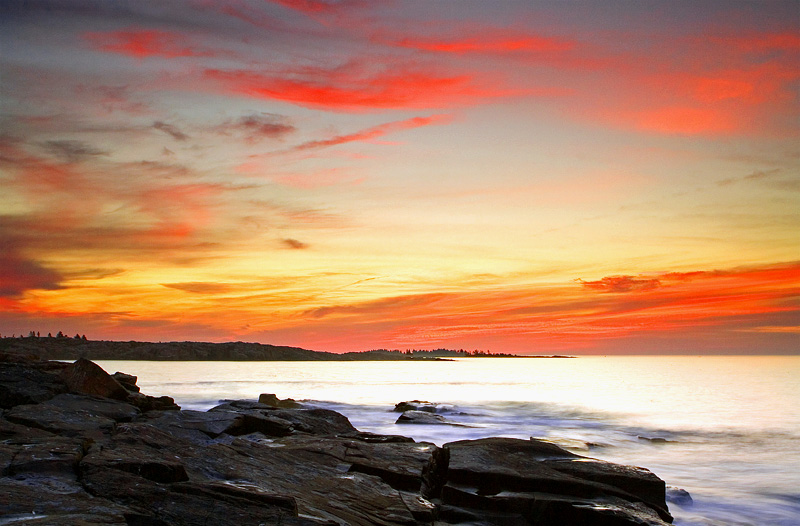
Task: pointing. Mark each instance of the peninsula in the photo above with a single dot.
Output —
(71, 348)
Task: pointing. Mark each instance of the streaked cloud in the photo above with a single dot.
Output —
(373, 132)
(352, 89)
(621, 284)
(171, 130)
(143, 43)
(294, 244)
(199, 287)
(72, 151)
(19, 275)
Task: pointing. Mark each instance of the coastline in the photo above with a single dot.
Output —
(66, 348)
(117, 456)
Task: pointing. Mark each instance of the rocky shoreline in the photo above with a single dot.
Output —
(79, 446)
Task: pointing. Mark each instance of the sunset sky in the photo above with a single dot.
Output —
(531, 177)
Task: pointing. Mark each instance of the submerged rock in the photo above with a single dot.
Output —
(679, 496)
(425, 418)
(69, 455)
(415, 405)
(420, 405)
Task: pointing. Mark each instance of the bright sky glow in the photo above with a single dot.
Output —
(570, 177)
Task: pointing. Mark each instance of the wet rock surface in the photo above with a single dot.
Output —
(426, 418)
(79, 446)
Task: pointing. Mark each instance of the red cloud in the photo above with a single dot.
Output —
(314, 7)
(714, 86)
(488, 45)
(143, 43)
(19, 274)
(345, 91)
(759, 43)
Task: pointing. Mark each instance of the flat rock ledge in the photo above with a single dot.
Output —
(81, 447)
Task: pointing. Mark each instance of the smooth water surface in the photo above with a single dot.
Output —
(727, 429)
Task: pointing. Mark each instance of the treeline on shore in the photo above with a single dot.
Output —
(61, 347)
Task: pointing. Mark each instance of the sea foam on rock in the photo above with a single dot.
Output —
(78, 447)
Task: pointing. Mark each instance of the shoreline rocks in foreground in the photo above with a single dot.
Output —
(80, 446)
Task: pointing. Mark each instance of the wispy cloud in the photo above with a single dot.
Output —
(171, 130)
(72, 151)
(294, 244)
(752, 176)
(373, 132)
(317, 7)
(258, 126)
(484, 39)
(200, 287)
(621, 284)
(143, 43)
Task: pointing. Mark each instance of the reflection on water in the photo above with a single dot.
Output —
(724, 428)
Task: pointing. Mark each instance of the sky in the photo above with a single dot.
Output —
(588, 177)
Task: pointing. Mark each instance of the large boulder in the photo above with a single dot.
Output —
(280, 422)
(89, 378)
(546, 485)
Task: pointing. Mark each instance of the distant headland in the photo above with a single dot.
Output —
(62, 347)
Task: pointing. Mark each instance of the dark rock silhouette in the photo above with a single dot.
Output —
(679, 496)
(415, 405)
(71, 456)
(274, 401)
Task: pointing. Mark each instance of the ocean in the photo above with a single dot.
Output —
(724, 428)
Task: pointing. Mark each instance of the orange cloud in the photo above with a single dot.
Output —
(151, 214)
(196, 287)
(664, 307)
(621, 284)
(143, 43)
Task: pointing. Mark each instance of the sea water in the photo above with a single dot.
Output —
(726, 428)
